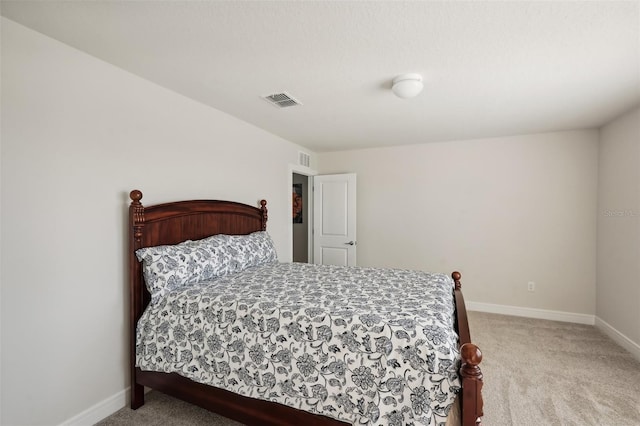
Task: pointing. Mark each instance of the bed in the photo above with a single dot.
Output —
(304, 394)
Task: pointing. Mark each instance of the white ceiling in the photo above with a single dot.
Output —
(490, 68)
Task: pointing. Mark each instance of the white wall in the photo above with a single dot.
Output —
(503, 211)
(77, 135)
(618, 277)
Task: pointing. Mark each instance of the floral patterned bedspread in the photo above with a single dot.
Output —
(367, 346)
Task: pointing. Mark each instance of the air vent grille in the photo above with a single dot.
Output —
(303, 159)
(282, 100)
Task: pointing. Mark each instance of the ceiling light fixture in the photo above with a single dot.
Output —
(407, 85)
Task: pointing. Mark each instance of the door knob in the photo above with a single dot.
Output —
(351, 243)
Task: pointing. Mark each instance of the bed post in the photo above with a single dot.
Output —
(136, 226)
(471, 402)
(471, 385)
(263, 209)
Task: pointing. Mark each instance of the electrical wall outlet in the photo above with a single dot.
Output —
(531, 286)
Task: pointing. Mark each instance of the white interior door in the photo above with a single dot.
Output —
(334, 219)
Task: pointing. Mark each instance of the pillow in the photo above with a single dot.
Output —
(251, 250)
(169, 267)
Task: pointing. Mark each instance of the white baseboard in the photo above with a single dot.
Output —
(99, 411)
(618, 337)
(531, 313)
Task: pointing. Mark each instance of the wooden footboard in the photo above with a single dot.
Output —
(471, 403)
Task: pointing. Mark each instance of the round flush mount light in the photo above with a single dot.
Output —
(407, 85)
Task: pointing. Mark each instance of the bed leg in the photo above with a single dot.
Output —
(471, 376)
(137, 396)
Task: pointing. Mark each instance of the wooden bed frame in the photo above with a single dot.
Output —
(171, 223)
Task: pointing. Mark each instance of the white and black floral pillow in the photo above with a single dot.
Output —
(251, 250)
(169, 267)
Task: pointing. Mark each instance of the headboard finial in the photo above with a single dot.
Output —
(136, 215)
(135, 196)
(263, 209)
(456, 279)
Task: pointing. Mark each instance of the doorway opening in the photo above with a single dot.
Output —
(301, 217)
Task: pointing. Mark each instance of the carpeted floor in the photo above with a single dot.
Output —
(541, 372)
(536, 372)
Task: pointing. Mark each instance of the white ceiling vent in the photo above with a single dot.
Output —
(303, 158)
(281, 100)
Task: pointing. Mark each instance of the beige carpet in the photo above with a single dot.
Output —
(554, 373)
(537, 372)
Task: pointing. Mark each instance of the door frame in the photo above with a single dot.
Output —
(310, 173)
